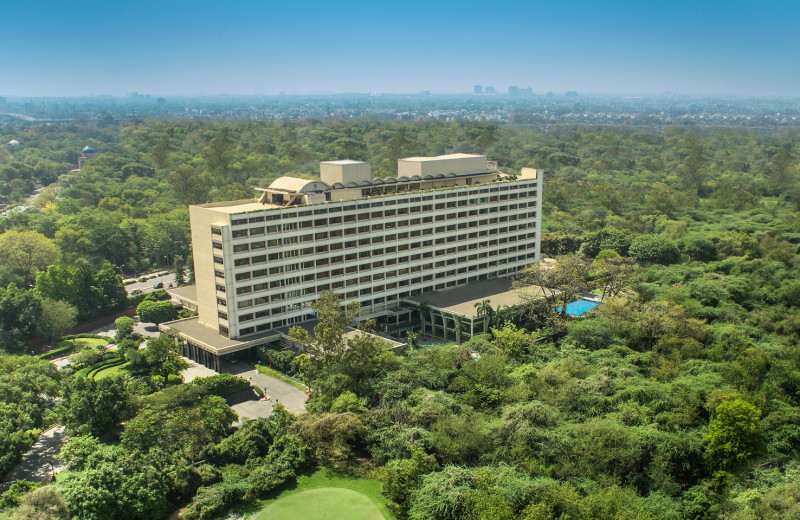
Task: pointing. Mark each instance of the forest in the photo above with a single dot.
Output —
(677, 398)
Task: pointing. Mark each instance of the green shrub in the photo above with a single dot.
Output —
(222, 385)
(174, 379)
(656, 249)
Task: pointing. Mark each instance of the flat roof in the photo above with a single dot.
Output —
(184, 292)
(343, 161)
(208, 338)
(462, 300)
(443, 157)
(238, 206)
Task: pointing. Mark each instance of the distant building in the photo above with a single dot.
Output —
(477, 89)
(389, 243)
(86, 154)
(13, 142)
(514, 92)
(489, 90)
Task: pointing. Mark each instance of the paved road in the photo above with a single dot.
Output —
(148, 286)
(39, 462)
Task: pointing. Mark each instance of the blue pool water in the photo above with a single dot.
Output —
(579, 307)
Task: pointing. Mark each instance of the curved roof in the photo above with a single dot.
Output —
(294, 184)
(337, 186)
(88, 149)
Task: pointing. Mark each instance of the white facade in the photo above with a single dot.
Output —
(259, 266)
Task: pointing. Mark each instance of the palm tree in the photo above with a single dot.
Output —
(423, 309)
(458, 320)
(485, 310)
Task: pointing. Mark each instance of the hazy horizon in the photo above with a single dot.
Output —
(737, 48)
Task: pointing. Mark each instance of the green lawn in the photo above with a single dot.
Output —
(66, 347)
(114, 371)
(331, 503)
(336, 496)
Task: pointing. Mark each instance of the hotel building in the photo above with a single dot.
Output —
(443, 223)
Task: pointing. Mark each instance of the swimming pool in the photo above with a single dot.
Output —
(579, 307)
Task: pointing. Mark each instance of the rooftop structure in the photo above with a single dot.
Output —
(443, 222)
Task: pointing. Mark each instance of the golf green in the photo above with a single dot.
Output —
(322, 504)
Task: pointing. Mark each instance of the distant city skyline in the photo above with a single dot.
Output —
(167, 48)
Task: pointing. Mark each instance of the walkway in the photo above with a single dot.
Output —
(39, 462)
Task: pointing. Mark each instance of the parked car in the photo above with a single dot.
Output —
(135, 292)
(159, 285)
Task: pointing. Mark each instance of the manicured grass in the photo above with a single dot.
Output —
(322, 504)
(335, 504)
(114, 370)
(66, 347)
(280, 377)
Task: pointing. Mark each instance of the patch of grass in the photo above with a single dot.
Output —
(280, 377)
(66, 347)
(323, 478)
(323, 504)
(110, 369)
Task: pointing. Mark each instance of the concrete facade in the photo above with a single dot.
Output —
(260, 265)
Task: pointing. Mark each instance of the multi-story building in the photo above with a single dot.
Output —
(442, 223)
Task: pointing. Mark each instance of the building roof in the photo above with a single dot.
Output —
(462, 300)
(442, 157)
(88, 149)
(343, 161)
(13, 142)
(190, 329)
(294, 184)
(184, 292)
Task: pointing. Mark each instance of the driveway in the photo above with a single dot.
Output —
(279, 392)
(249, 405)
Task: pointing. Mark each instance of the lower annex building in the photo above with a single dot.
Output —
(443, 223)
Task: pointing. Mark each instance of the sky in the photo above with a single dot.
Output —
(198, 47)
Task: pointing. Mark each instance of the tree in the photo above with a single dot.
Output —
(402, 477)
(180, 270)
(613, 272)
(164, 355)
(458, 325)
(733, 435)
(656, 249)
(512, 341)
(485, 310)
(107, 481)
(43, 503)
(328, 343)
(563, 281)
(423, 309)
(156, 312)
(57, 316)
(124, 326)
(94, 406)
(27, 252)
(20, 314)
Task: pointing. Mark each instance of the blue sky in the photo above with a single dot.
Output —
(59, 47)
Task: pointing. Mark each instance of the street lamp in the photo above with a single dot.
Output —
(161, 279)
